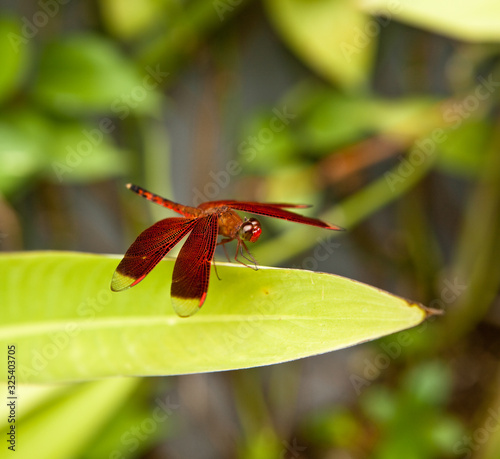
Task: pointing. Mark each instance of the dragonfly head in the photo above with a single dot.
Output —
(250, 230)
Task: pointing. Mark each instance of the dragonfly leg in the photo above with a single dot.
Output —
(223, 243)
(250, 258)
(240, 249)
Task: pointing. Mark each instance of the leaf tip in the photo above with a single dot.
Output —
(429, 312)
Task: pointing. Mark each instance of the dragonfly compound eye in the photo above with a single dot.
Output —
(250, 230)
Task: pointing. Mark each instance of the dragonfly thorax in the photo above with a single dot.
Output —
(250, 230)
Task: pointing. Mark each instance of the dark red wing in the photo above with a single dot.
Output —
(272, 210)
(231, 203)
(148, 249)
(192, 268)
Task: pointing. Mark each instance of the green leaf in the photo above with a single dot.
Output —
(14, 55)
(354, 116)
(69, 152)
(321, 119)
(88, 74)
(464, 152)
(81, 152)
(21, 157)
(329, 35)
(133, 422)
(78, 414)
(130, 19)
(462, 19)
(67, 324)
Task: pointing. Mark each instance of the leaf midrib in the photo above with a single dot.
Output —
(40, 328)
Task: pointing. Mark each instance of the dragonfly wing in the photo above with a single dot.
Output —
(232, 203)
(148, 249)
(192, 268)
(274, 210)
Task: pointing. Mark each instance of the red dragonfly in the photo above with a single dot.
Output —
(205, 223)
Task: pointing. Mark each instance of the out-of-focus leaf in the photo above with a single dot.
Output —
(463, 152)
(88, 74)
(266, 145)
(338, 428)
(187, 24)
(321, 120)
(129, 434)
(338, 119)
(419, 402)
(379, 404)
(429, 384)
(261, 445)
(31, 144)
(14, 54)
(81, 152)
(35, 397)
(21, 157)
(329, 35)
(78, 414)
(472, 21)
(292, 184)
(69, 326)
(128, 18)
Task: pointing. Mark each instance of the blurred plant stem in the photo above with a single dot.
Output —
(491, 415)
(422, 245)
(259, 436)
(476, 263)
